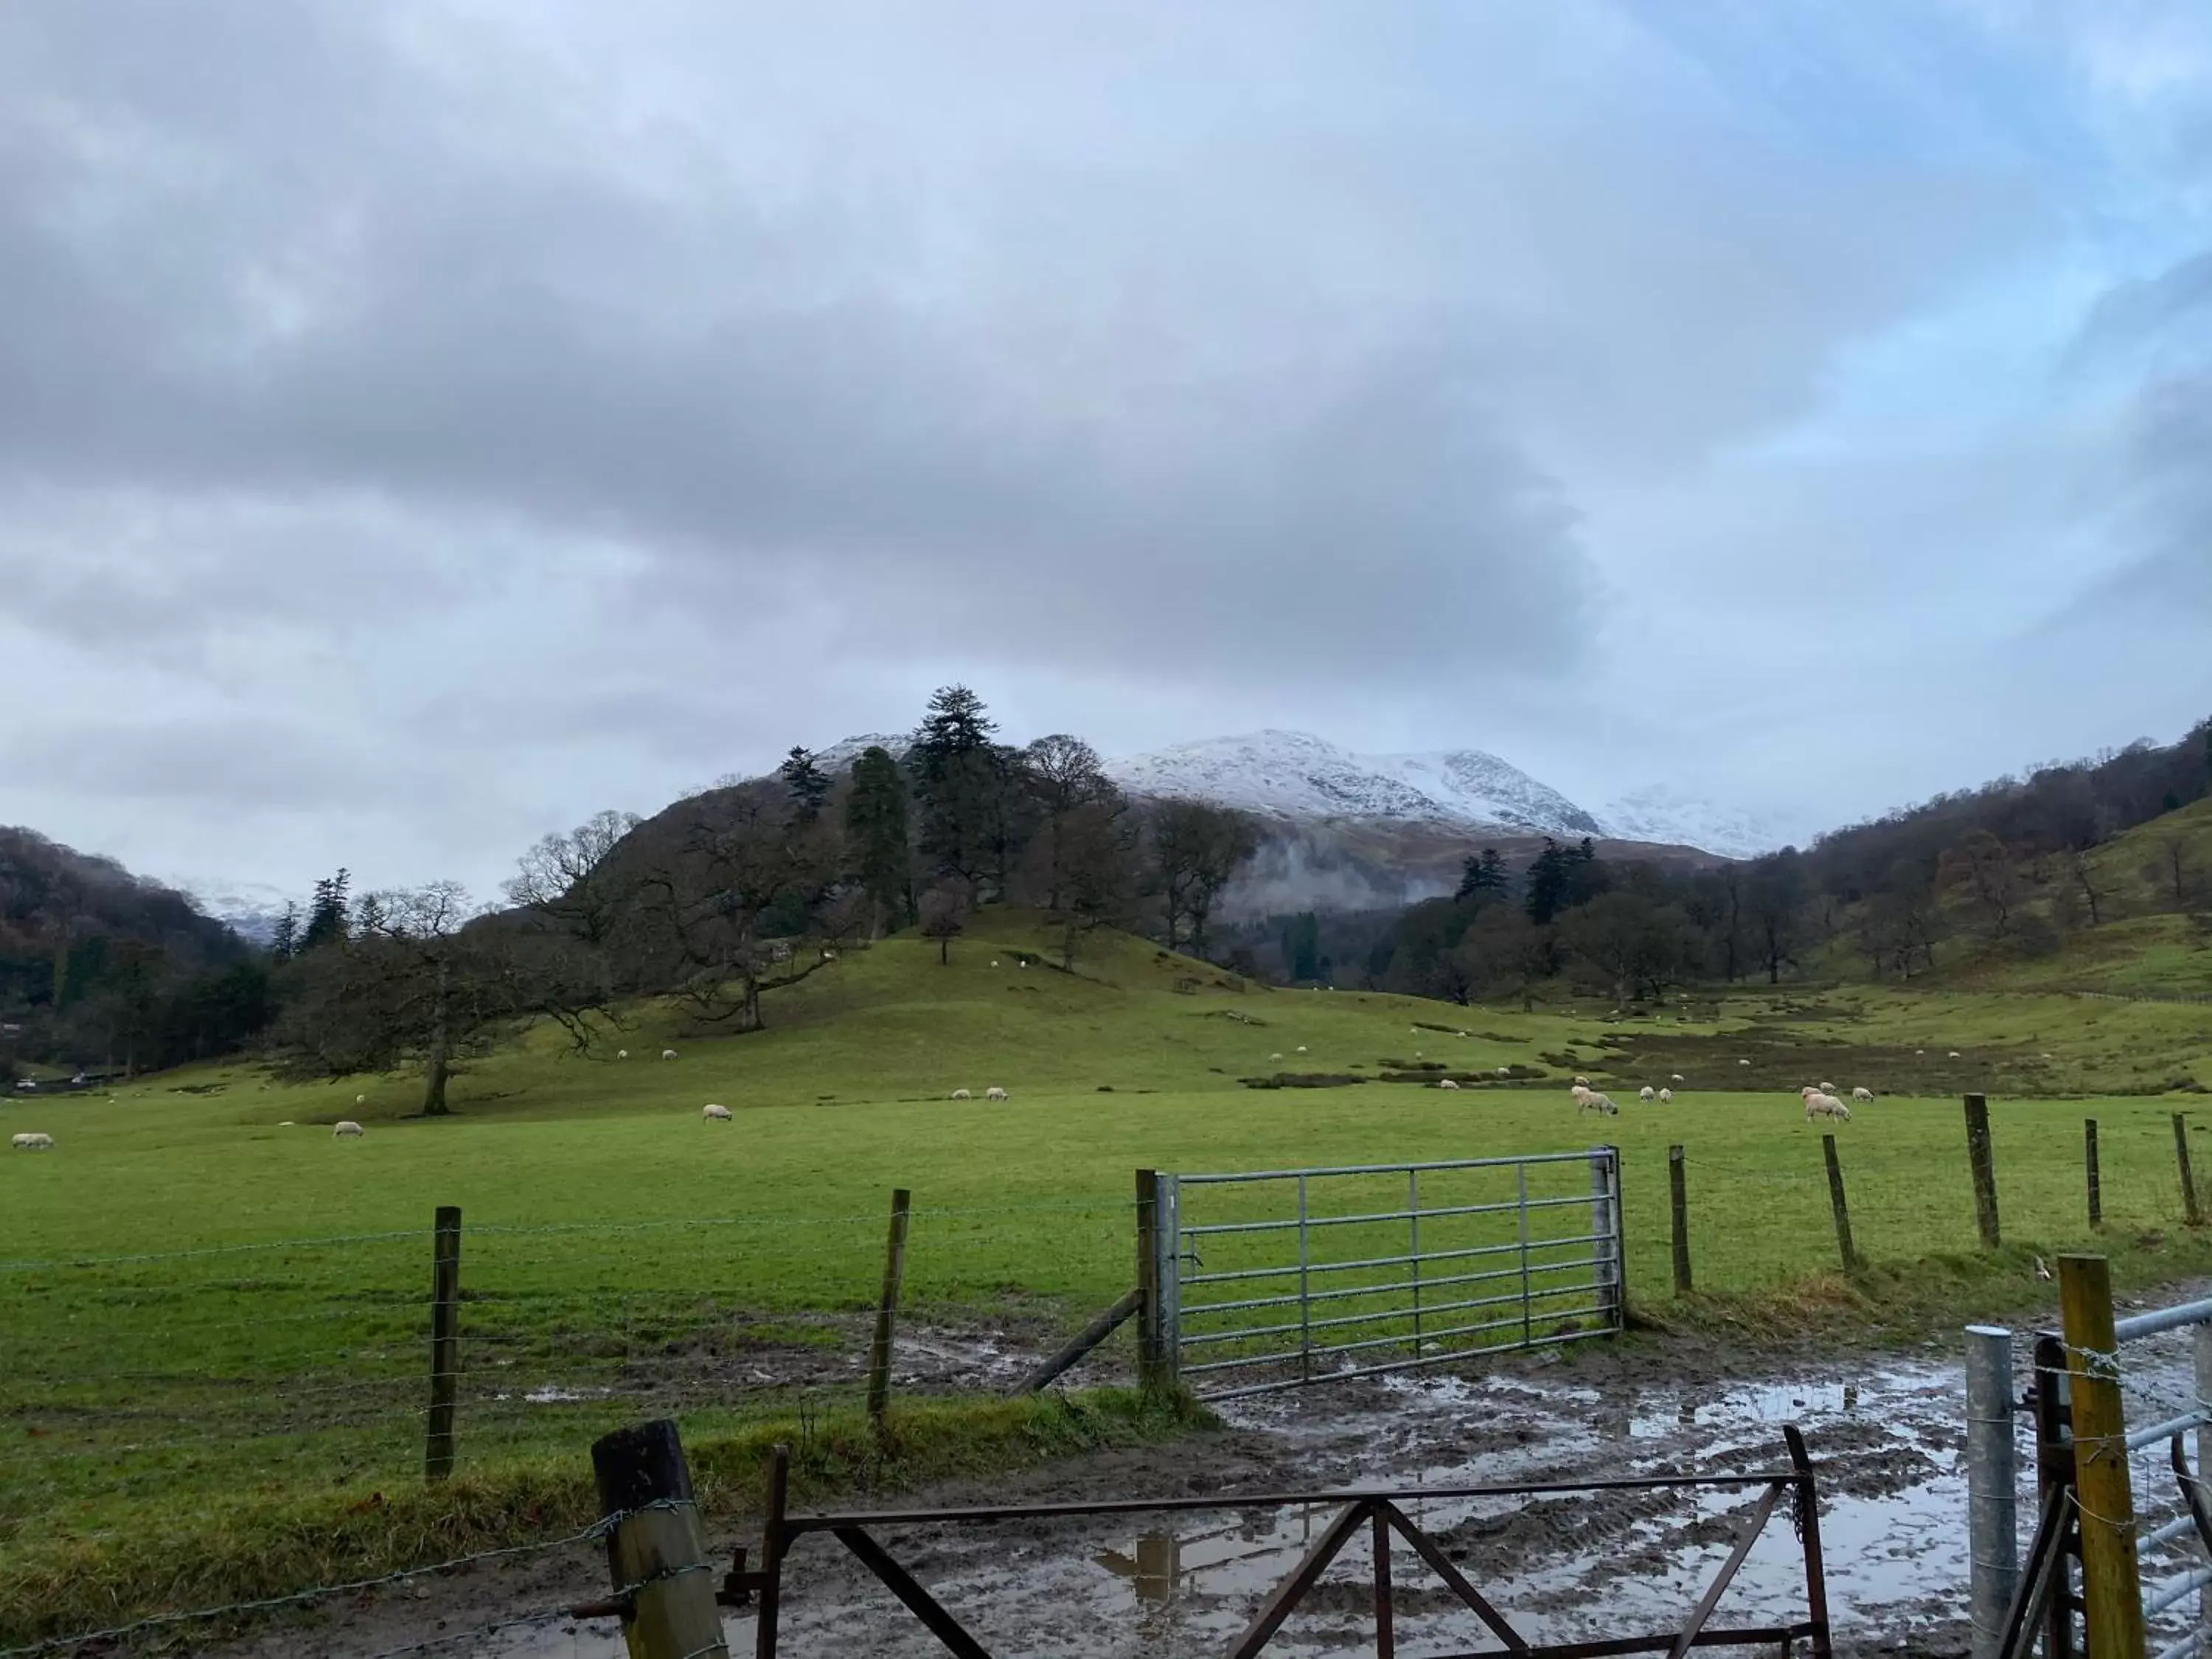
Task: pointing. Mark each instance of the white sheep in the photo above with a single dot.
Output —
(344, 1128)
(1677, 1078)
(994, 1092)
(1446, 1082)
(1954, 1054)
(715, 1114)
(1582, 1082)
(1862, 1094)
(360, 1100)
(995, 962)
(961, 1094)
(1594, 1102)
(1647, 1092)
(622, 1053)
(668, 1054)
(1666, 1096)
(1505, 1071)
(1820, 1104)
(286, 1124)
(1827, 1088)
(35, 1141)
(1743, 1062)
(1301, 1047)
(1274, 1056)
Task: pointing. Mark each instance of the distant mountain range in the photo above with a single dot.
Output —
(1295, 778)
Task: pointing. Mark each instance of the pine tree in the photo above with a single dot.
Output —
(327, 918)
(803, 779)
(875, 819)
(1547, 883)
(1483, 874)
(960, 781)
(284, 942)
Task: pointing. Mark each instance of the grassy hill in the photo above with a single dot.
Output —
(212, 1312)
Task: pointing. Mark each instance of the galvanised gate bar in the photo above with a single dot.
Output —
(1271, 1279)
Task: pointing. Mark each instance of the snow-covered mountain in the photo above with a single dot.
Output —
(1293, 776)
(1667, 814)
(249, 907)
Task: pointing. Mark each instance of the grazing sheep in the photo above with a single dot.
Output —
(1743, 1062)
(1666, 1096)
(1505, 1071)
(286, 1124)
(1593, 1101)
(1677, 1078)
(1276, 1056)
(1919, 1051)
(1954, 1054)
(1818, 1103)
(994, 1092)
(1827, 1088)
(360, 1100)
(1459, 1034)
(34, 1141)
(714, 1114)
(1862, 1094)
(345, 1128)
(1301, 1047)
(995, 962)
(668, 1054)
(1647, 1092)
(961, 1094)
(1446, 1082)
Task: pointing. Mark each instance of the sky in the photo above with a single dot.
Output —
(423, 424)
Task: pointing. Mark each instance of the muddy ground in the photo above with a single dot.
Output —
(1886, 1429)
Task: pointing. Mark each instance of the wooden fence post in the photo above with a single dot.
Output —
(657, 1553)
(445, 1342)
(778, 1499)
(2112, 1577)
(1678, 1202)
(879, 1350)
(2089, 1162)
(1840, 1210)
(1151, 1372)
(2189, 1211)
(1979, 1161)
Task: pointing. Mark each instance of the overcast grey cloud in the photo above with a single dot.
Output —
(421, 424)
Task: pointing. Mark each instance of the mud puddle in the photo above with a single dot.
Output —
(1886, 1436)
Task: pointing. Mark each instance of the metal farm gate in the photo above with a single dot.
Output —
(1272, 1279)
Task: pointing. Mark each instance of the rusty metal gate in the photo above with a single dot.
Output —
(1272, 1279)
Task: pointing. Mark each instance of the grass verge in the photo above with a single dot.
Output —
(206, 1555)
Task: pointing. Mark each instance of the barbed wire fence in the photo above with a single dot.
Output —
(303, 1365)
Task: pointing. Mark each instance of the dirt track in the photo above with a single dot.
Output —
(1886, 1429)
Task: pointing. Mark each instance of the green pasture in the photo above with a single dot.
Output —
(210, 1308)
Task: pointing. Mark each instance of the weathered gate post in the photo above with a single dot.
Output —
(1992, 1518)
(1158, 1339)
(1605, 1252)
(657, 1553)
(2112, 1575)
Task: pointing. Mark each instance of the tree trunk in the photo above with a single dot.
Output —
(440, 1066)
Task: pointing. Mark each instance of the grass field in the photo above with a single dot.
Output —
(178, 1367)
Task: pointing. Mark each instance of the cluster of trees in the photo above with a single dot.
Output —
(745, 890)
(102, 970)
